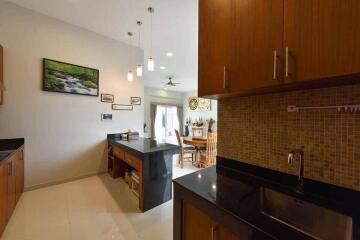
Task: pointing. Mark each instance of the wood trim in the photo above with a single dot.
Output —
(295, 86)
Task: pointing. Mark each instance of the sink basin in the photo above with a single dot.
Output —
(310, 219)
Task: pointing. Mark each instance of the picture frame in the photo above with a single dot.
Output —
(106, 117)
(108, 98)
(135, 100)
(123, 107)
(69, 78)
(197, 104)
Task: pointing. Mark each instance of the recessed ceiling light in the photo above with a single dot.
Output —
(165, 88)
(169, 54)
(162, 68)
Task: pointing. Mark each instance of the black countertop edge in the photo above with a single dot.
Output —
(333, 197)
(141, 146)
(10, 146)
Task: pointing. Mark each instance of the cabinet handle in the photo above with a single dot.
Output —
(275, 65)
(225, 78)
(287, 62)
(10, 169)
(213, 233)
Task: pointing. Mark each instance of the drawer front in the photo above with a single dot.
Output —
(133, 161)
(118, 153)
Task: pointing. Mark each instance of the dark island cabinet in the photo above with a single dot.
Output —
(257, 46)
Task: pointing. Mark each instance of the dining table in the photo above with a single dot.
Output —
(199, 143)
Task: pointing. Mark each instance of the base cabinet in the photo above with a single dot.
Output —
(11, 186)
(3, 196)
(197, 226)
(19, 174)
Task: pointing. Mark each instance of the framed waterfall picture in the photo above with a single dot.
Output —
(69, 78)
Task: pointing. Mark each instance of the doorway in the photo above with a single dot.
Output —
(166, 121)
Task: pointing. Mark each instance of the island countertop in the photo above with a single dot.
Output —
(142, 145)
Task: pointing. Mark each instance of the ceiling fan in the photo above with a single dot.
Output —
(170, 82)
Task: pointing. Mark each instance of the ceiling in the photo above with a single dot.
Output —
(174, 30)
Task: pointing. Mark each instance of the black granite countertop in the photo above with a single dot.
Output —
(8, 147)
(234, 187)
(142, 145)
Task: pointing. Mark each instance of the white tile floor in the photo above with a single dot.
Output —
(98, 208)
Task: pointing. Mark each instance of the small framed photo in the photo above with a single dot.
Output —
(106, 117)
(135, 100)
(109, 98)
(122, 107)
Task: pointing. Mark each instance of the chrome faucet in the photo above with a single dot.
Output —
(291, 157)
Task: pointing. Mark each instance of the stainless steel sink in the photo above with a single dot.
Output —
(317, 222)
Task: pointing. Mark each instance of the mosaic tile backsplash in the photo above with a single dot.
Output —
(258, 130)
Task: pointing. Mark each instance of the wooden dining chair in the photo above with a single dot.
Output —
(208, 158)
(186, 152)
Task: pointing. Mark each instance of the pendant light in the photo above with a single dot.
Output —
(151, 63)
(130, 76)
(139, 67)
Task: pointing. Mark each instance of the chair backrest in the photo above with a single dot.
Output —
(179, 138)
(211, 150)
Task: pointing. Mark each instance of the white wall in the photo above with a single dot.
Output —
(64, 135)
(160, 96)
(196, 115)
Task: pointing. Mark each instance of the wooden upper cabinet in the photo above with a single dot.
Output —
(255, 46)
(257, 37)
(214, 46)
(322, 37)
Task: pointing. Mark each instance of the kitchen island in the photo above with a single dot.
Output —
(153, 162)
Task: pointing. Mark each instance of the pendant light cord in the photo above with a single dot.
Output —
(151, 33)
(130, 35)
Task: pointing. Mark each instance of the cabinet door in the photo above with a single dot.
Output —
(197, 226)
(256, 44)
(3, 197)
(19, 174)
(322, 37)
(214, 46)
(11, 187)
(224, 234)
